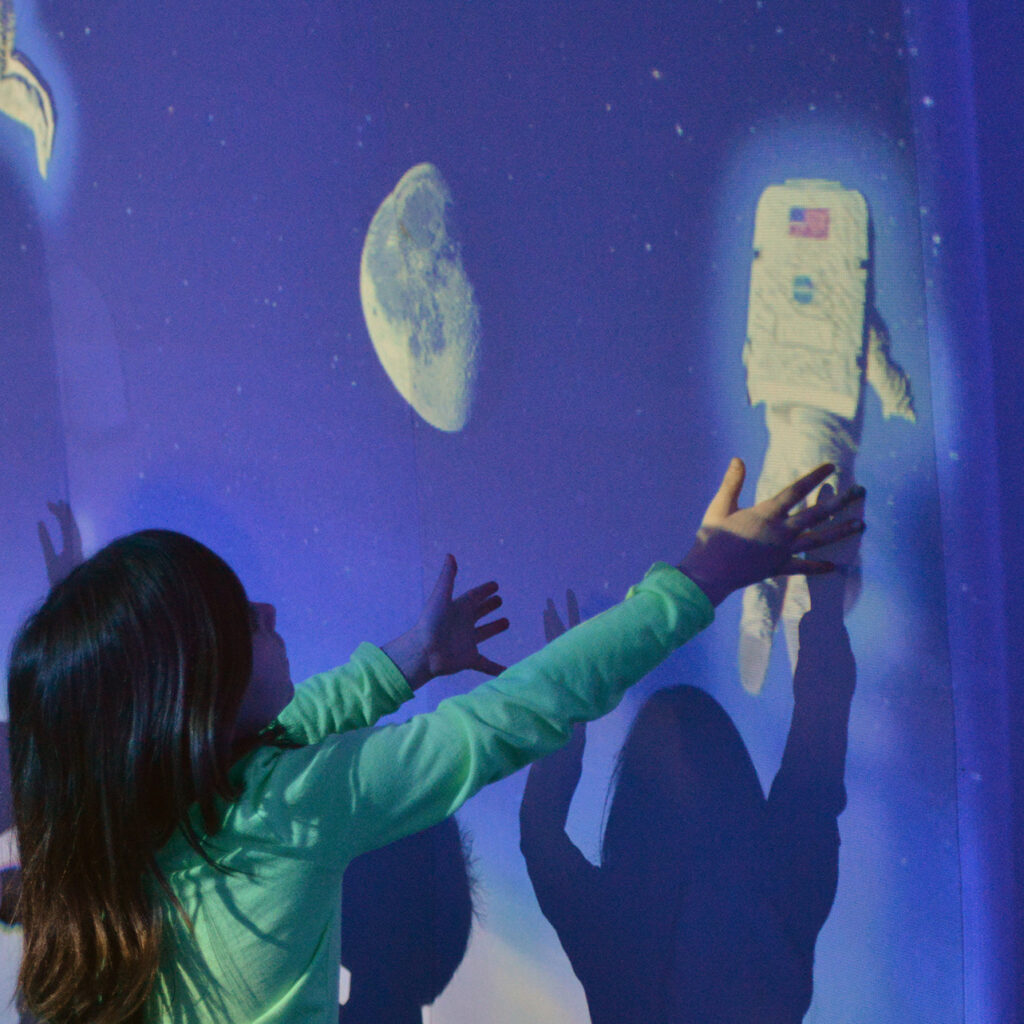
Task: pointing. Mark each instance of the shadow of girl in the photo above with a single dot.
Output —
(709, 897)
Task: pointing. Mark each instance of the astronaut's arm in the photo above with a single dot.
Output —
(886, 376)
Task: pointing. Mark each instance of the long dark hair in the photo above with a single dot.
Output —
(123, 688)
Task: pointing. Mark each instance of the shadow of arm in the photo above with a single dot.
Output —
(564, 881)
(809, 793)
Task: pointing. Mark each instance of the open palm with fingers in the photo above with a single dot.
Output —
(738, 546)
(448, 634)
(450, 626)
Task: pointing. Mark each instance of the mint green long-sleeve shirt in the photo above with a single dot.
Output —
(265, 942)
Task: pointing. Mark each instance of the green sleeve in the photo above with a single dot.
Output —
(351, 696)
(361, 790)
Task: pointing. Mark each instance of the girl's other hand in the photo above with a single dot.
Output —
(447, 636)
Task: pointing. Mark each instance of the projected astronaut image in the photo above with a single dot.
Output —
(418, 301)
(353, 292)
(24, 96)
(813, 340)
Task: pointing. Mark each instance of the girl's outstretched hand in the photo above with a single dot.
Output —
(739, 546)
(447, 637)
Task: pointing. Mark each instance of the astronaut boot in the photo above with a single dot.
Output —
(762, 603)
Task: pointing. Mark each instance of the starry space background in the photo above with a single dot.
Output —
(184, 346)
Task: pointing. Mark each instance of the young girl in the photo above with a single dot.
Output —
(184, 818)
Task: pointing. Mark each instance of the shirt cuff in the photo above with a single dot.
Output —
(394, 682)
(675, 582)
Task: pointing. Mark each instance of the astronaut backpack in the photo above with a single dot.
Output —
(808, 281)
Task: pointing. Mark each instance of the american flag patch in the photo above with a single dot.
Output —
(804, 223)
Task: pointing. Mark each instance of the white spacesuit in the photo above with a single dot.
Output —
(812, 341)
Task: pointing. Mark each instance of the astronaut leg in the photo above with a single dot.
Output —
(797, 601)
(762, 602)
(819, 436)
(761, 606)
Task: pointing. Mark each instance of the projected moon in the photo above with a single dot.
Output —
(418, 302)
